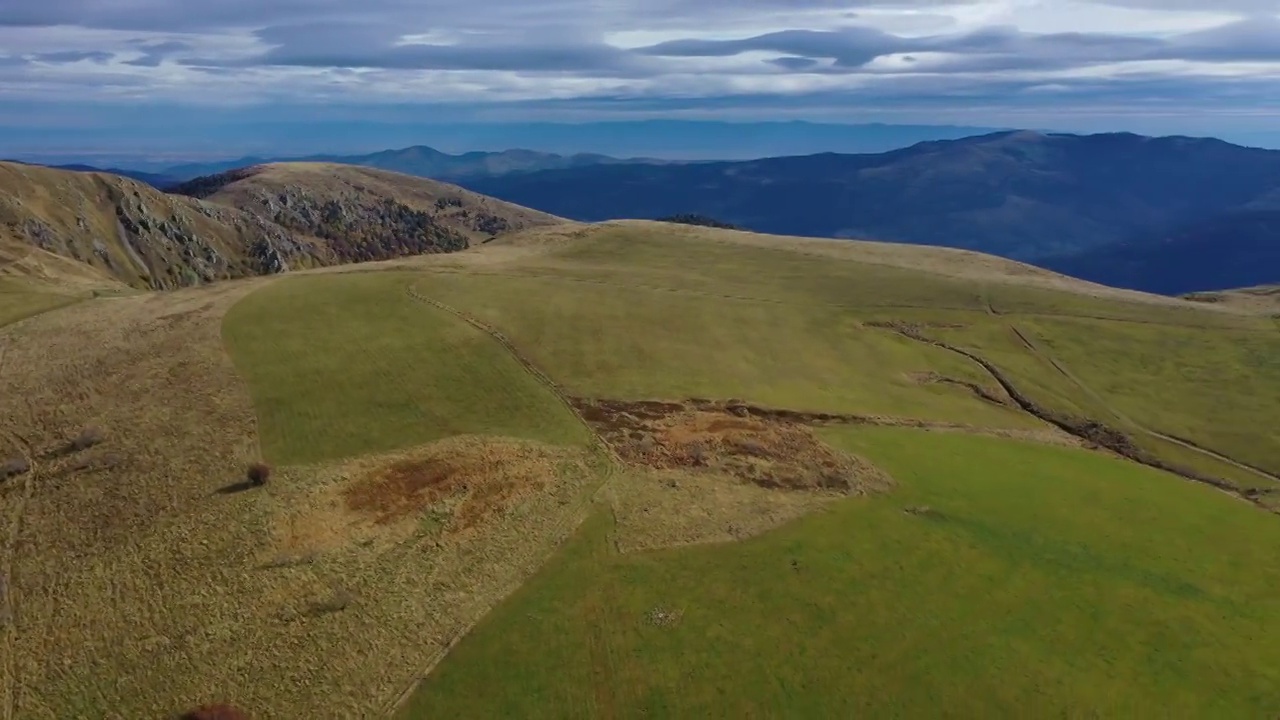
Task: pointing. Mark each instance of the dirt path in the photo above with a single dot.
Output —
(524, 361)
(1102, 402)
(611, 471)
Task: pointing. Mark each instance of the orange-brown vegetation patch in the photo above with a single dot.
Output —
(467, 485)
(768, 448)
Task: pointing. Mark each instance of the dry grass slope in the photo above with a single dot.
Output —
(133, 233)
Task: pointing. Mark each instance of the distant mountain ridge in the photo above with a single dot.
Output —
(1236, 249)
(422, 161)
(1172, 215)
(1034, 197)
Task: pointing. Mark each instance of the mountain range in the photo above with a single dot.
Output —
(1171, 214)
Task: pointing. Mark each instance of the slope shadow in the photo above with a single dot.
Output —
(236, 487)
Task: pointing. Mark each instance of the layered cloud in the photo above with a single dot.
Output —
(616, 56)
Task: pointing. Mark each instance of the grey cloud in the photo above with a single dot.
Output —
(794, 63)
(329, 45)
(70, 56)
(997, 47)
(1230, 6)
(188, 15)
(163, 14)
(1252, 39)
(849, 48)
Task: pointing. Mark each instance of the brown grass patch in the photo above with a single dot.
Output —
(466, 483)
(707, 471)
(769, 451)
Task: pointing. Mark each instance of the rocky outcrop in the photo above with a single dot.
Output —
(252, 221)
(360, 229)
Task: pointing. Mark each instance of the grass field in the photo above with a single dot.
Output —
(648, 343)
(348, 364)
(1042, 581)
(1175, 380)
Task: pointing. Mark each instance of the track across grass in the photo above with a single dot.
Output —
(1001, 579)
(347, 364)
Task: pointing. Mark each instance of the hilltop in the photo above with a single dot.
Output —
(1263, 299)
(349, 206)
(637, 468)
(251, 222)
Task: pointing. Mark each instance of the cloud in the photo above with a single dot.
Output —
(646, 56)
(156, 52)
(792, 62)
(71, 56)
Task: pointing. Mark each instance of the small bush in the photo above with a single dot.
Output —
(257, 474)
(13, 468)
(87, 438)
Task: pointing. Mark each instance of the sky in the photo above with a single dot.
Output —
(93, 73)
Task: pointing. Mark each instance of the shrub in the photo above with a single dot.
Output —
(14, 468)
(257, 474)
(214, 712)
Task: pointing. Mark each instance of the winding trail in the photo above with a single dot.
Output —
(1034, 349)
(524, 362)
(1090, 431)
(612, 469)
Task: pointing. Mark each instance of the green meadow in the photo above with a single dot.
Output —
(1030, 581)
(348, 364)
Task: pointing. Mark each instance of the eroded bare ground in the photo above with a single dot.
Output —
(703, 471)
(140, 577)
(608, 416)
(771, 449)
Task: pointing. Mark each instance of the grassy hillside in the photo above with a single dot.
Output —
(746, 417)
(999, 580)
(1262, 299)
(373, 370)
(135, 234)
(282, 217)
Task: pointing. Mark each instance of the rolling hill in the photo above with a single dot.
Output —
(1264, 299)
(264, 220)
(1023, 195)
(635, 469)
(348, 205)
